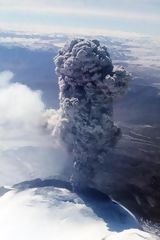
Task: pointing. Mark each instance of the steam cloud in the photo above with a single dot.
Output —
(88, 83)
(27, 151)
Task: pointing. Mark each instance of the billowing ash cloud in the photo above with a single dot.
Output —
(88, 83)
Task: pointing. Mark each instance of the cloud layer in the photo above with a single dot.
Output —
(81, 16)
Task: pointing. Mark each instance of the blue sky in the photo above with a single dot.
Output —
(82, 16)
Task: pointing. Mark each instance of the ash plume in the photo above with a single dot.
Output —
(88, 84)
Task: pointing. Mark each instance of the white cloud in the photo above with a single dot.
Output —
(26, 149)
(21, 111)
(18, 103)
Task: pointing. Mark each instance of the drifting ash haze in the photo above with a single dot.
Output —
(88, 83)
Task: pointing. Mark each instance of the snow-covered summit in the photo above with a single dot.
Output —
(49, 212)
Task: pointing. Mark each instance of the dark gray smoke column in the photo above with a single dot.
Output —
(88, 84)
